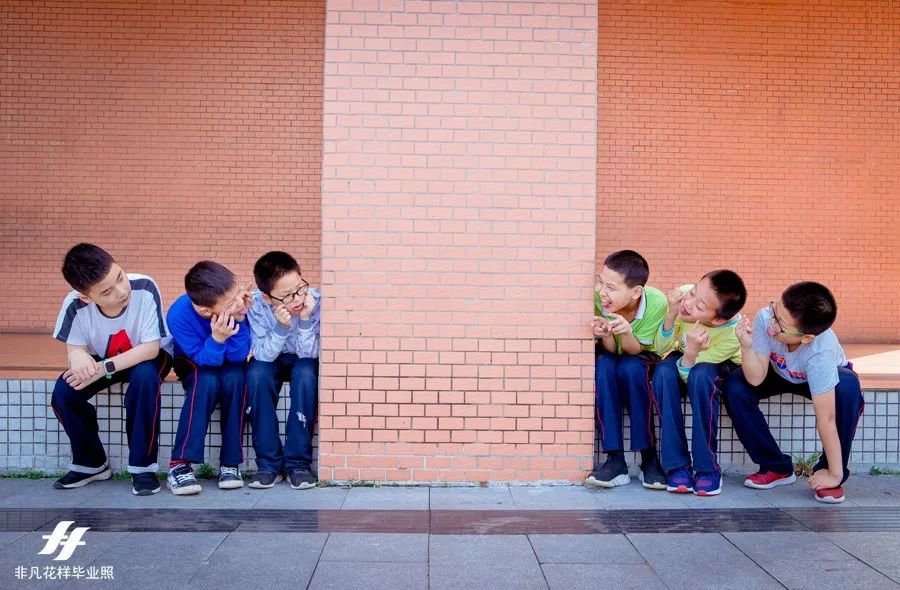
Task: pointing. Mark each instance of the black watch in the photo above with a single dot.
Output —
(110, 368)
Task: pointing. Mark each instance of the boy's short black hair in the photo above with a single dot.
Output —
(271, 266)
(207, 281)
(811, 305)
(85, 265)
(632, 266)
(730, 289)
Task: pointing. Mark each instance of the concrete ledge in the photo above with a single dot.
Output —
(40, 357)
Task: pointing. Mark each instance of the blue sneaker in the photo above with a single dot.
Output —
(708, 484)
(680, 481)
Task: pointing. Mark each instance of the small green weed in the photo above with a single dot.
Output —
(29, 474)
(804, 467)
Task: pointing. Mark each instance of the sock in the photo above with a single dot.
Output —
(648, 455)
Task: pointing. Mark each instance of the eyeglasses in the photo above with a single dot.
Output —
(291, 297)
(781, 328)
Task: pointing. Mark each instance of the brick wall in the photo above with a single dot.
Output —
(762, 136)
(458, 214)
(167, 132)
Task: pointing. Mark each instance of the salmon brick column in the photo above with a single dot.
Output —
(458, 241)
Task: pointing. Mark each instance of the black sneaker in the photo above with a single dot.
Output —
(181, 480)
(263, 480)
(76, 479)
(652, 475)
(144, 484)
(613, 473)
(230, 477)
(302, 478)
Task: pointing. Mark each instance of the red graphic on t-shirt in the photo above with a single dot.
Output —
(118, 343)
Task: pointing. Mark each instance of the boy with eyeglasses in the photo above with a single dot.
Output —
(791, 349)
(284, 320)
(212, 342)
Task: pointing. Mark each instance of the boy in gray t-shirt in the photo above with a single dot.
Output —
(790, 348)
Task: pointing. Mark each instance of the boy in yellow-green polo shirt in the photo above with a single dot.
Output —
(627, 316)
(698, 337)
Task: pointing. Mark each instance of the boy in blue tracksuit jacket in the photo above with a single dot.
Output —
(284, 321)
(212, 342)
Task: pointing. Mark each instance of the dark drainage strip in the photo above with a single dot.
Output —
(463, 522)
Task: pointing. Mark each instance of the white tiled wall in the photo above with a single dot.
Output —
(31, 437)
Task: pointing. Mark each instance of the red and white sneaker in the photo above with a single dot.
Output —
(830, 495)
(766, 480)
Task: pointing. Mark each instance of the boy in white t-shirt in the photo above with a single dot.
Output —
(114, 330)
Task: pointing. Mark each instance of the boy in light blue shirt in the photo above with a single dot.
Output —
(284, 323)
(791, 349)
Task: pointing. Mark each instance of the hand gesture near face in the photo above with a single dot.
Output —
(618, 325)
(223, 327)
(676, 298)
(744, 332)
(308, 304)
(600, 326)
(282, 315)
(697, 339)
(246, 296)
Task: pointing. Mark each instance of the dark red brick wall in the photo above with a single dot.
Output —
(762, 136)
(166, 132)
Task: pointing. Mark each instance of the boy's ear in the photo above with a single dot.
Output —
(636, 292)
(266, 299)
(84, 298)
(718, 322)
(807, 338)
(204, 312)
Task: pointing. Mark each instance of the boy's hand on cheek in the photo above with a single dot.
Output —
(283, 316)
(308, 304)
(223, 327)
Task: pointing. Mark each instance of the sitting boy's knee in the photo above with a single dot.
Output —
(233, 371)
(259, 371)
(666, 370)
(146, 370)
(305, 369)
(62, 392)
(630, 366)
(736, 387)
(703, 372)
(848, 388)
